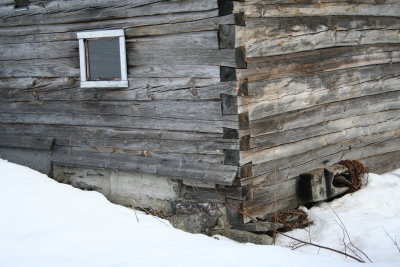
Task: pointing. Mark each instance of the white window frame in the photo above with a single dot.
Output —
(82, 36)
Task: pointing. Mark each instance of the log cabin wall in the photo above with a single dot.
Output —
(322, 86)
(174, 120)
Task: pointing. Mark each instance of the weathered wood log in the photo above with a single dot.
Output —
(67, 89)
(60, 67)
(348, 126)
(320, 60)
(291, 147)
(314, 33)
(200, 194)
(183, 109)
(357, 148)
(218, 57)
(137, 56)
(266, 210)
(326, 112)
(310, 97)
(171, 124)
(215, 173)
(75, 11)
(256, 8)
(60, 32)
(78, 134)
(208, 24)
(383, 163)
(270, 193)
(178, 71)
(41, 143)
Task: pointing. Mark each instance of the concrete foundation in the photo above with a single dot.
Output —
(129, 189)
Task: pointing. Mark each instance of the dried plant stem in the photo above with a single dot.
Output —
(343, 226)
(393, 240)
(323, 247)
(293, 238)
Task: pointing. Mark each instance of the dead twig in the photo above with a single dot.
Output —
(323, 247)
(393, 240)
(148, 211)
(134, 210)
(343, 226)
(298, 245)
(288, 236)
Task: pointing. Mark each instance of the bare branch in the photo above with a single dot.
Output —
(343, 226)
(323, 247)
(391, 238)
(293, 238)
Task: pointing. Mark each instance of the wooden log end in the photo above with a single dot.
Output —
(231, 157)
(229, 133)
(243, 88)
(227, 74)
(244, 122)
(240, 56)
(225, 7)
(246, 170)
(229, 104)
(226, 36)
(244, 143)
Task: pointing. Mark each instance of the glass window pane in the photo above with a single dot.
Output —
(104, 59)
(21, 3)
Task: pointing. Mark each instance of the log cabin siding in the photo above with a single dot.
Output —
(322, 86)
(169, 120)
(234, 99)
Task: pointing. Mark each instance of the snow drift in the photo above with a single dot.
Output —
(44, 223)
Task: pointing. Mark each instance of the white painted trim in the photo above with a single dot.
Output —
(82, 59)
(104, 84)
(122, 56)
(21, 8)
(100, 34)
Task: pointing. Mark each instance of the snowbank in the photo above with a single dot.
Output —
(44, 223)
(370, 216)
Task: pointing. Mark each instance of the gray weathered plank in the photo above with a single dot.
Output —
(41, 143)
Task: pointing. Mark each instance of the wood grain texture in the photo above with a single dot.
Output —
(169, 120)
(257, 8)
(322, 86)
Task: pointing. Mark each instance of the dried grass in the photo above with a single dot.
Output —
(292, 219)
(356, 171)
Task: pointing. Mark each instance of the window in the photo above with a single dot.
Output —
(102, 58)
(21, 4)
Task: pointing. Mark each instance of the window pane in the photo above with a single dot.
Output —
(21, 3)
(104, 59)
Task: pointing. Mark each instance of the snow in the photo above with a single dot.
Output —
(370, 216)
(45, 223)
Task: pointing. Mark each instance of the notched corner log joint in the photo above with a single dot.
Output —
(227, 74)
(322, 184)
(229, 133)
(244, 122)
(229, 104)
(243, 88)
(231, 157)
